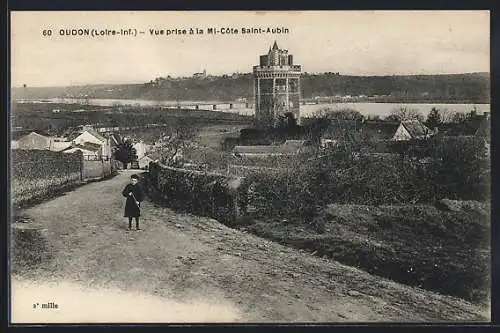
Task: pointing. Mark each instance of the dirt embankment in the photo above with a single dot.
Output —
(443, 251)
(181, 257)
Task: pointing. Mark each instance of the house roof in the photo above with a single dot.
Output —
(415, 128)
(289, 147)
(90, 146)
(34, 141)
(59, 146)
(145, 158)
(35, 135)
(257, 149)
(95, 134)
(74, 149)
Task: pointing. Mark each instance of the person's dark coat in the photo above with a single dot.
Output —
(131, 208)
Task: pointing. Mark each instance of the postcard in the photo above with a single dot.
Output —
(250, 167)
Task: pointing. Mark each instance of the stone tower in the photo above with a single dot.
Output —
(276, 88)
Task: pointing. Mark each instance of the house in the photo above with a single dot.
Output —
(34, 141)
(412, 129)
(376, 129)
(37, 141)
(89, 135)
(91, 151)
(141, 149)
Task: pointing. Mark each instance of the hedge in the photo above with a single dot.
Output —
(207, 194)
(38, 174)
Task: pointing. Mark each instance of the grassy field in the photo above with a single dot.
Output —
(443, 251)
(39, 117)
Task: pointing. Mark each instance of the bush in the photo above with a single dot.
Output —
(454, 168)
(423, 172)
(460, 168)
(285, 193)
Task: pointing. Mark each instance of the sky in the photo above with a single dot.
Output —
(348, 42)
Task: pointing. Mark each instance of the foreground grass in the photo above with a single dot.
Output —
(443, 251)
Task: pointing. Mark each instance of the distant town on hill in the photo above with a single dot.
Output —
(446, 88)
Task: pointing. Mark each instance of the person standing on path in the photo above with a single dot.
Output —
(134, 195)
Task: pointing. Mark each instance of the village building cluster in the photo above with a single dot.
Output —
(87, 140)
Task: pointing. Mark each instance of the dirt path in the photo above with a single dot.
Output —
(182, 257)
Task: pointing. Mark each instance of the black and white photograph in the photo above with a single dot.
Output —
(250, 167)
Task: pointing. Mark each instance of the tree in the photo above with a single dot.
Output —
(342, 114)
(344, 125)
(125, 153)
(459, 164)
(404, 113)
(447, 115)
(173, 141)
(459, 117)
(434, 119)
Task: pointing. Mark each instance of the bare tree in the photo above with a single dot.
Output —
(343, 114)
(447, 115)
(405, 113)
(344, 126)
(173, 141)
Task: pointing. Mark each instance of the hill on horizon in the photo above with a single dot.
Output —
(473, 87)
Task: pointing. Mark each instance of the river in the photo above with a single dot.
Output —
(365, 108)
